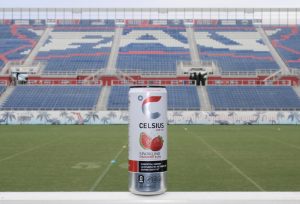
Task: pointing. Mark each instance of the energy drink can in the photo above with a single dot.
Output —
(147, 140)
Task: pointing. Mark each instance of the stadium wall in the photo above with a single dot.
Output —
(174, 117)
(52, 16)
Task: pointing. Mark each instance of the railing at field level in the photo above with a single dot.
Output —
(237, 82)
(154, 82)
(70, 73)
(3, 83)
(62, 82)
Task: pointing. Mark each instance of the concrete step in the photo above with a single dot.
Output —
(297, 90)
(192, 44)
(103, 99)
(6, 94)
(111, 65)
(204, 99)
(113, 57)
(37, 47)
(283, 67)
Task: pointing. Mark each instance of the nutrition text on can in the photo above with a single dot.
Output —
(147, 140)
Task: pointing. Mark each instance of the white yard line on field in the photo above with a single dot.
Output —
(229, 162)
(27, 150)
(104, 173)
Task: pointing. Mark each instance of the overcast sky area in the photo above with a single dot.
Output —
(150, 3)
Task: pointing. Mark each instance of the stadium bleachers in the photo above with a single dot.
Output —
(118, 98)
(153, 48)
(2, 89)
(234, 48)
(183, 98)
(16, 42)
(75, 48)
(253, 98)
(286, 41)
(53, 98)
(179, 98)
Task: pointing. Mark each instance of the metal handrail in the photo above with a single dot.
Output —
(71, 73)
(147, 73)
(249, 83)
(154, 82)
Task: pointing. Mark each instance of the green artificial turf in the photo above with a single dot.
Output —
(201, 158)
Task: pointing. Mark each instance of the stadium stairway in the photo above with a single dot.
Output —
(203, 97)
(103, 98)
(297, 90)
(113, 56)
(37, 47)
(6, 94)
(274, 53)
(112, 61)
(5, 69)
(192, 44)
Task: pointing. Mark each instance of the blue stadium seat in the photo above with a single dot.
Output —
(253, 98)
(73, 48)
(183, 98)
(179, 98)
(17, 41)
(286, 41)
(118, 98)
(234, 48)
(2, 89)
(153, 49)
(53, 98)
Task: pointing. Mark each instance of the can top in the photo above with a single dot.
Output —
(144, 89)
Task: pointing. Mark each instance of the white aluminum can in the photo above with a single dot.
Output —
(147, 140)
